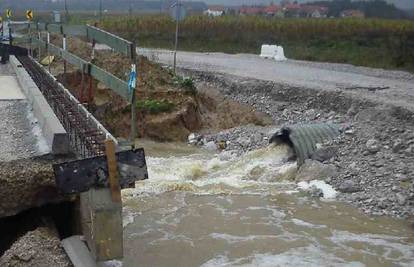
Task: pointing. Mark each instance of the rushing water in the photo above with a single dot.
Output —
(203, 209)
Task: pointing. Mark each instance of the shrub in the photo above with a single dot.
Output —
(155, 106)
(187, 83)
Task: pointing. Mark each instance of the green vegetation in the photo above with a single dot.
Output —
(187, 83)
(368, 42)
(155, 106)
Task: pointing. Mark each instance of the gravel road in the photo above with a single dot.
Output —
(391, 87)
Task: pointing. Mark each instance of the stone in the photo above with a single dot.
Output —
(192, 139)
(397, 146)
(315, 170)
(256, 138)
(401, 199)
(243, 141)
(352, 111)
(210, 146)
(402, 178)
(409, 150)
(324, 153)
(222, 144)
(226, 155)
(348, 186)
(315, 192)
(372, 146)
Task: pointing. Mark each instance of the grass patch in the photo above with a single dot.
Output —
(155, 106)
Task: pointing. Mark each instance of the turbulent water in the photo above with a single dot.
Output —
(203, 209)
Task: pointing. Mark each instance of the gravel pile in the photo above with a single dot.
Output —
(40, 247)
(374, 155)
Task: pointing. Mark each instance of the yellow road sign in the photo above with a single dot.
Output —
(8, 13)
(29, 14)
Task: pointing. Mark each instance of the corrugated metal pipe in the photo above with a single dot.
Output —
(303, 138)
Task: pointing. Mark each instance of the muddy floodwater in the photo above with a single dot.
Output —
(199, 208)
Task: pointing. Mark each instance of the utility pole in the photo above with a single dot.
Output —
(177, 17)
(66, 12)
(100, 11)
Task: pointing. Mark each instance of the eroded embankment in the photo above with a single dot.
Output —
(373, 159)
(166, 113)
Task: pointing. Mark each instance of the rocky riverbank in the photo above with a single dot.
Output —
(373, 160)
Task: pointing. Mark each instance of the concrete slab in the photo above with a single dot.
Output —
(53, 131)
(10, 88)
(77, 252)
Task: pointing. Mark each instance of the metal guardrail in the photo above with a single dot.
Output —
(92, 33)
(119, 44)
(117, 85)
(95, 35)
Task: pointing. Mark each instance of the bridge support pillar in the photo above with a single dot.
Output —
(101, 223)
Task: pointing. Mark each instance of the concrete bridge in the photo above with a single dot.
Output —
(49, 146)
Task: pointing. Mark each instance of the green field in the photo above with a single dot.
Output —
(366, 42)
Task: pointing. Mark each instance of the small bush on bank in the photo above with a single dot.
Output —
(155, 106)
(187, 83)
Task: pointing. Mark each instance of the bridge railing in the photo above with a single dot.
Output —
(94, 35)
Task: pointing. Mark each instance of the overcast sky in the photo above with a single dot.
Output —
(399, 3)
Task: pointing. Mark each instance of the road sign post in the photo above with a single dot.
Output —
(29, 16)
(8, 15)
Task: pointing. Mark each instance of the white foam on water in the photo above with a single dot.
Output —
(257, 168)
(309, 256)
(387, 243)
(307, 224)
(328, 191)
(112, 263)
(127, 218)
(231, 239)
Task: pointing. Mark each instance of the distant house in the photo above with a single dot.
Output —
(273, 11)
(215, 11)
(352, 13)
(251, 10)
(312, 11)
(292, 10)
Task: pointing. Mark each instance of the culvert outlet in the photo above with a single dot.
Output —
(304, 138)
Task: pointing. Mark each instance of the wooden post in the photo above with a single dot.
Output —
(113, 171)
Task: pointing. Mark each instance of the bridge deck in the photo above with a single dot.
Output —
(20, 136)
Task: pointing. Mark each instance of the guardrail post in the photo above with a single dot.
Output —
(64, 49)
(40, 38)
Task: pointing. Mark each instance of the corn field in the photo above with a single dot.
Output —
(369, 42)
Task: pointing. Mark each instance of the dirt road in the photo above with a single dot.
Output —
(390, 87)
